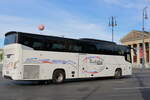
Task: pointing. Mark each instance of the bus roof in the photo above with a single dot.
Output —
(37, 35)
(96, 40)
(89, 40)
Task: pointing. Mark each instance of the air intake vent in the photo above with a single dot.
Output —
(31, 72)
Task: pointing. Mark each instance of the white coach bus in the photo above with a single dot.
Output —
(40, 57)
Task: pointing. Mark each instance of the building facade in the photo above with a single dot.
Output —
(134, 39)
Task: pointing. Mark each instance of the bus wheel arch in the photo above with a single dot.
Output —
(58, 76)
(118, 73)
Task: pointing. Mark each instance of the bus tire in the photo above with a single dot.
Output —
(118, 73)
(58, 76)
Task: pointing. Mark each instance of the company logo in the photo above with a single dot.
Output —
(96, 60)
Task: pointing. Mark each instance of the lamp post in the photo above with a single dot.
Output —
(144, 17)
(112, 24)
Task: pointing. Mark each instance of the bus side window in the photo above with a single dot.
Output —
(58, 46)
(26, 41)
(104, 49)
(121, 52)
(48, 46)
(75, 48)
(88, 48)
(37, 45)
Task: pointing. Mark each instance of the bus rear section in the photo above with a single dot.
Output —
(27, 58)
(12, 62)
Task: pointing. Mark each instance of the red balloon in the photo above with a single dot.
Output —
(41, 27)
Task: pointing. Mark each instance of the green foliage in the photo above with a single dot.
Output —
(1, 56)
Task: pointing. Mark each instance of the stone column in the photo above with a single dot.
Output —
(145, 55)
(132, 53)
(138, 54)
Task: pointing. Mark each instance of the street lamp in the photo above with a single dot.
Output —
(144, 17)
(112, 24)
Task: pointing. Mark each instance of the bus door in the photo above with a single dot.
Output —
(82, 65)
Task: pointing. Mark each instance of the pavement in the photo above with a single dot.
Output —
(136, 87)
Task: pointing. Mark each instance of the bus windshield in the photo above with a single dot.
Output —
(9, 39)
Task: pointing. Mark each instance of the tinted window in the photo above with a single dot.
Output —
(88, 48)
(81, 47)
(58, 46)
(33, 43)
(9, 39)
(75, 48)
(38, 45)
(105, 49)
(26, 41)
(49, 43)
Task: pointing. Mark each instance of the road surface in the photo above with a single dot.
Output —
(136, 87)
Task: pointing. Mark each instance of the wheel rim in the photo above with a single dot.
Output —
(59, 78)
(118, 74)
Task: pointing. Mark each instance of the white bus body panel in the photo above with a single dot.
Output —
(46, 62)
(12, 62)
(28, 64)
(104, 65)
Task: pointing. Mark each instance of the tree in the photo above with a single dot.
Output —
(1, 56)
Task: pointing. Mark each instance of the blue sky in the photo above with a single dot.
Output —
(72, 18)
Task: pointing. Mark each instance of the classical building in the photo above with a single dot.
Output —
(134, 39)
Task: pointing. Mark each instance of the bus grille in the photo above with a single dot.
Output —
(31, 71)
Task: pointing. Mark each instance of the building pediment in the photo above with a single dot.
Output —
(135, 35)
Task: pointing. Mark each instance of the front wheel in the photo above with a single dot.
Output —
(58, 76)
(118, 74)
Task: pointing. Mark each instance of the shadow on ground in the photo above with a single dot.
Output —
(68, 81)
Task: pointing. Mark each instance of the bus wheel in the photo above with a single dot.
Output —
(118, 73)
(58, 76)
